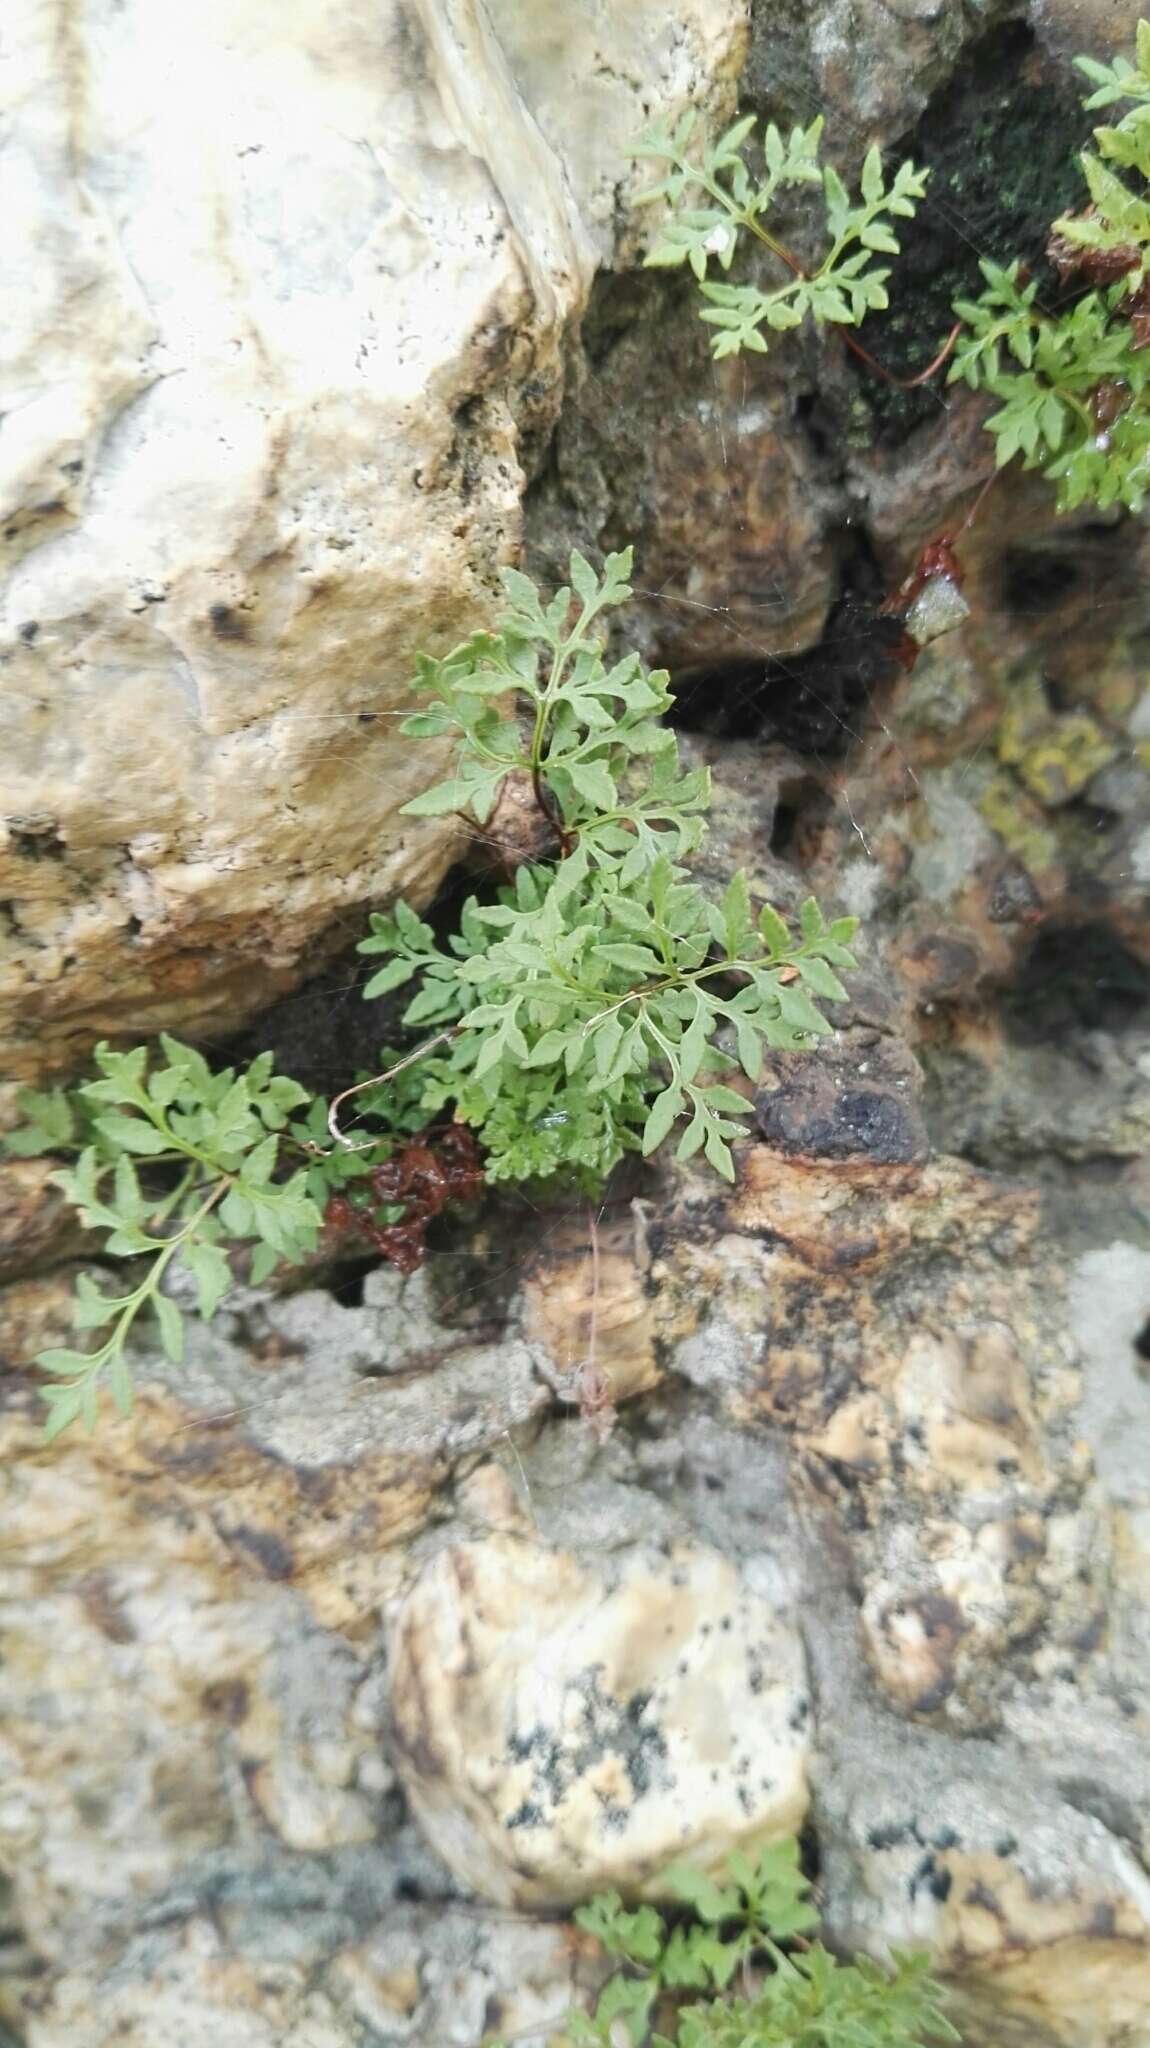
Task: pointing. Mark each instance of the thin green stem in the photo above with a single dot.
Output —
(660, 1041)
(1077, 405)
(182, 1148)
(778, 1956)
(685, 977)
(742, 216)
(776, 248)
(545, 704)
(150, 1283)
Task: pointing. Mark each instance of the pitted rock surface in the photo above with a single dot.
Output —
(283, 447)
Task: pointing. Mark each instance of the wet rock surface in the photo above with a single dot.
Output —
(858, 1102)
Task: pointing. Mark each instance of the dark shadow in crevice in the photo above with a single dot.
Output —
(1000, 141)
(346, 1282)
(810, 1853)
(802, 804)
(817, 702)
(324, 1035)
(37, 841)
(1075, 978)
(1061, 578)
(1036, 582)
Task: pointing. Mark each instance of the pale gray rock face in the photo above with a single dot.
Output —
(430, 1975)
(286, 303)
(938, 1623)
(1110, 1316)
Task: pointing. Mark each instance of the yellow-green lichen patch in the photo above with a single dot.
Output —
(1055, 755)
(1018, 823)
(1073, 751)
(1026, 720)
(1113, 690)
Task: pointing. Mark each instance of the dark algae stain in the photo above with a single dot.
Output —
(605, 1726)
(1001, 144)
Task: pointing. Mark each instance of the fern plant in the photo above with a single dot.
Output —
(1075, 385)
(752, 1930)
(594, 1005)
(717, 203)
(217, 1139)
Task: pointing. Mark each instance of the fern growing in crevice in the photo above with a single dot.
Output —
(1075, 384)
(743, 1970)
(725, 205)
(598, 1004)
(588, 1010)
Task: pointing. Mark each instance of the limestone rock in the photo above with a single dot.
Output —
(1110, 1317)
(1096, 26)
(37, 1224)
(588, 1309)
(1011, 941)
(1038, 1908)
(561, 1729)
(885, 1410)
(987, 1791)
(662, 446)
(282, 448)
(899, 1326)
(694, 56)
(871, 68)
(218, 1560)
(301, 1962)
(187, 1992)
(36, 1314)
(204, 1615)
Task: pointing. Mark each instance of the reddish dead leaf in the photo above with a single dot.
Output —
(1107, 401)
(1138, 309)
(1097, 267)
(426, 1175)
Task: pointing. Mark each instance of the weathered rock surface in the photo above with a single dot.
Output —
(887, 1400)
(37, 1226)
(301, 1962)
(594, 1341)
(562, 1732)
(266, 421)
(219, 1561)
(881, 1446)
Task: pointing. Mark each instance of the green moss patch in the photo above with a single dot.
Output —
(1001, 143)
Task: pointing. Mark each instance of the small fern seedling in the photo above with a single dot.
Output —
(1075, 385)
(753, 1929)
(209, 1145)
(716, 204)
